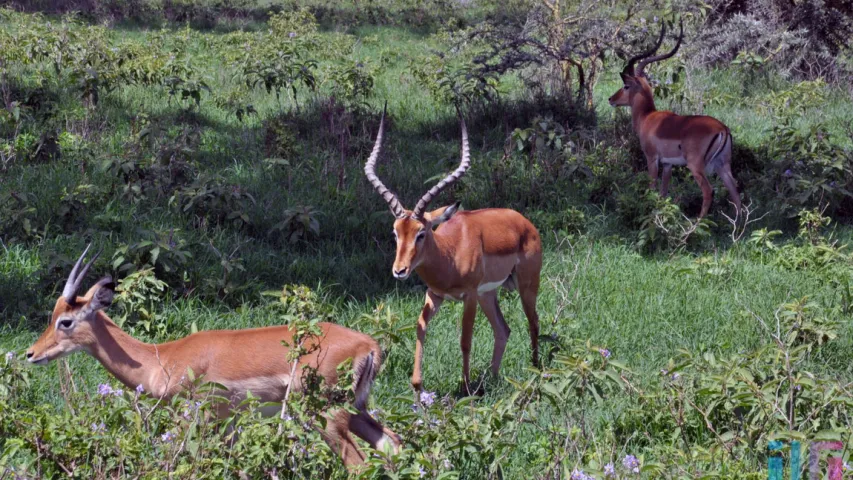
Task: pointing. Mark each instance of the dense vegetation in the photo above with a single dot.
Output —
(214, 151)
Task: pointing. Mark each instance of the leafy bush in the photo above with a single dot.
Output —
(300, 224)
(214, 203)
(164, 251)
(810, 170)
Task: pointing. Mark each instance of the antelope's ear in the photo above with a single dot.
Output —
(628, 79)
(443, 214)
(102, 297)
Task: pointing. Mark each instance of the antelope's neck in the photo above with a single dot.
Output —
(132, 362)
(438, 262)
(642, 105)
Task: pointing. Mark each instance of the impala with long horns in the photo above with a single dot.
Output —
(467, 258)
(702, 143)
(241, 360)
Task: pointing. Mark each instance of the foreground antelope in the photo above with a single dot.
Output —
(241, 360)
(701, 142)
(466, 259)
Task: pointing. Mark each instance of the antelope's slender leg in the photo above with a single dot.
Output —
(489, 303)
(729, 181)
(667, 176)
(468, 316)
(528, 290)
(431, 306)
(652, 162)
(696, 168)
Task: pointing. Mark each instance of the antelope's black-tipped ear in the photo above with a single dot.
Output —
(444, 214)
(103, 295)
(627, 79)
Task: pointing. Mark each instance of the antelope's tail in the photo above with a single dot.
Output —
(365, 375)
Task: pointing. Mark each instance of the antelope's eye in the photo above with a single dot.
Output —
(66, 324)
(420, 236)
(627, 87)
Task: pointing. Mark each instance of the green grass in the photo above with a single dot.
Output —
(643, 308)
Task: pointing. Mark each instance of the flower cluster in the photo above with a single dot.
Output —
(167, 437)
(105, 390)
(580, 475)
(98, 427)
(604, 352)
(190, 409)
(631, 463)
(427, 398)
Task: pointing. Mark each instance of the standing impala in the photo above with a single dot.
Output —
(466, 259)
(701, 142)
(241, 360)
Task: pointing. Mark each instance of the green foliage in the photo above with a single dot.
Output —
(300, 224)
(164, 251)
(136, 298)
(214, 203)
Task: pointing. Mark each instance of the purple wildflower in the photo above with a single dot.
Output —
(104, 390)
(664, 371)
(140, 389)
(447, 465)
(631, 463)
(98, 427)
(604, 352)
(788, 173)
(421, 471)
(427, 398)
(167, 437)
(292, 35)
(415, 407)
(676, 376)
(10, 356)
(546, 375)
(609, 471)
(846, 467)
(117, 393)
(580, 475)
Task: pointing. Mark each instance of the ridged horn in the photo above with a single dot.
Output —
(448, 180)
(645, 62)
(72, 285)
(370, 167)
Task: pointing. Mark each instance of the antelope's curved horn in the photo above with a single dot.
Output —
(72, 285)
(369, 170)
(647, 61)
(629, 68)
(448, 180)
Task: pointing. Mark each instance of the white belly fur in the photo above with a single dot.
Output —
(488, 287)
(267, 388)
(677, 161)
